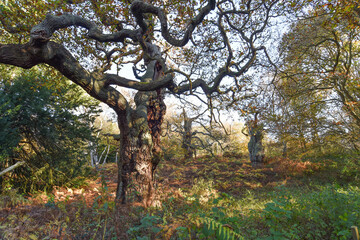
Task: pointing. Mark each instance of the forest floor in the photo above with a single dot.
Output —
(89, 212)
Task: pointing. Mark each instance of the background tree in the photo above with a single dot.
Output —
(320, 65)
(255, 131)
(196, 135)
(187, 136)
(250, 102)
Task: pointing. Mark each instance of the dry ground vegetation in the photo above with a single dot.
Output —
(206, 198)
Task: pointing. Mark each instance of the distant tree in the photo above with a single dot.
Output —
(196, 134)
(188, 136)
(254, 129)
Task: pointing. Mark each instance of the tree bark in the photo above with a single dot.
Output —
(140, 151)
(140, 130)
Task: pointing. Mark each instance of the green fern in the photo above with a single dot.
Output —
(210, 227)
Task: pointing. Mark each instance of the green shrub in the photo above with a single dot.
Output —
(40, 123)
(325, 214)
(147, 229)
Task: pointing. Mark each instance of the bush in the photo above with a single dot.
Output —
(45, 128)
(325, 214)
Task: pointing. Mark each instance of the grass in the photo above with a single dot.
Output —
(208, 198)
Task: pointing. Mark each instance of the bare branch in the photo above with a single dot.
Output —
(138, 8)
(55, 55)
(113, 79)
(16, 165)
(46, 28)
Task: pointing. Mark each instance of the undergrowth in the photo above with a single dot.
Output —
(300, 201)
(327, 213)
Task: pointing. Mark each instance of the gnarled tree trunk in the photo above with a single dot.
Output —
(187, 137)
(255, 147)
(140, 152)
(140, 130)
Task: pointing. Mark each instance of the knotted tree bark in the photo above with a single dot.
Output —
(140, 128)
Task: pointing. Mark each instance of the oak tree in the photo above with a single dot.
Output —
(181, 47)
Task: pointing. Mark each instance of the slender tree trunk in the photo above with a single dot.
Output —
(12, 167)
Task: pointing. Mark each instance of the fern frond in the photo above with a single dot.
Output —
(211, 227)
